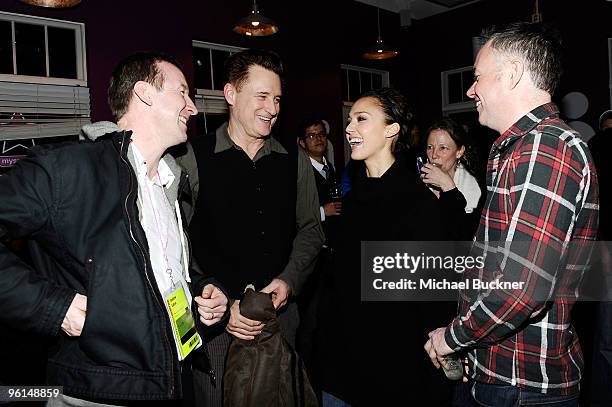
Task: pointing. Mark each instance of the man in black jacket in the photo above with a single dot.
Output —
(110, 278)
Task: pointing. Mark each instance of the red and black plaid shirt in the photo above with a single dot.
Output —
(537, 227)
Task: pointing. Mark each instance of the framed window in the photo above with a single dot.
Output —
(357, 80)
(42, 50)
(455, 83)
(208, 61)
(43, 83)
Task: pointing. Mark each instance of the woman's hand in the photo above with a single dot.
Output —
(433, 176)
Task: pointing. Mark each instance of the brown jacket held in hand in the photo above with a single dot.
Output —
(266, 371)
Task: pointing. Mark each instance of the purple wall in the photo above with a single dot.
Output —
(116, 28)
(318, 35)
(444, 42)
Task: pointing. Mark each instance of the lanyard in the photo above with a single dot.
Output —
(161, 238)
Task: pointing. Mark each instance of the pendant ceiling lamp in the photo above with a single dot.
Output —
(256, 24)
(379, 50)
(536, 17)
(52, 3)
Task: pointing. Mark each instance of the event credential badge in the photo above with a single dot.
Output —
(182, 322)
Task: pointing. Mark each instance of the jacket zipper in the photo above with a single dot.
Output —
(124, 147)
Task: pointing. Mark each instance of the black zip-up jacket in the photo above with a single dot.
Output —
(77, 203)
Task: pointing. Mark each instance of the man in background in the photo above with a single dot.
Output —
(312, 137)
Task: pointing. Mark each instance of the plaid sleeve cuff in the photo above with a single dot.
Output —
(455, 336)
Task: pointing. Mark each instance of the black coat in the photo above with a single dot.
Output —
(368, 351)
(77, 203)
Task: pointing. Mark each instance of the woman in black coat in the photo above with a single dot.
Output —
(371, 353)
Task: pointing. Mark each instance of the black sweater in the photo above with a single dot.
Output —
(244, 220)
(360, 346)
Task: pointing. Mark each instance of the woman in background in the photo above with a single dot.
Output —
(449, 174)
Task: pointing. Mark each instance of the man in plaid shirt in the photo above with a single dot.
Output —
(537, 226)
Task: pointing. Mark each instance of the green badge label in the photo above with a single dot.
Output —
(182, 322)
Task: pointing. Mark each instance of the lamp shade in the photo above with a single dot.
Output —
(379, 51)
(52, 3)
(256, 24)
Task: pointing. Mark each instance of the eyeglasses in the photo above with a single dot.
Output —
(312, 136)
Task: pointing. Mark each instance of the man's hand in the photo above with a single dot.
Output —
(75, 317)
(242, 327)
(211, 305)
(436, 347)
(280, 292)
(332, 208)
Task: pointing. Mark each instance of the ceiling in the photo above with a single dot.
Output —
(417, 9)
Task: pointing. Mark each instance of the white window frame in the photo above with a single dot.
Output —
(213, 46)
(346, 104)
(447, 107)
(81, 55)
(211, 101)
(385, 76)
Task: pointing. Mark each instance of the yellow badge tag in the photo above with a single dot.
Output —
(182, 322)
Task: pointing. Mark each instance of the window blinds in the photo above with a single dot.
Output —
(29, 110)
(211, 104)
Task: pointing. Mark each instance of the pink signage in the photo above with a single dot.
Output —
(9, 160)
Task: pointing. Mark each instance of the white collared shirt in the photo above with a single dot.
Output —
(318, 166)
(160, 225)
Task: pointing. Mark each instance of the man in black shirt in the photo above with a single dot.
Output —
(256, 219)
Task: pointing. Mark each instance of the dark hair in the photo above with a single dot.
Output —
(142, 66)
(307, 123)
(607, 115)
(396, 110)
(538, 44)
(461, 138)
(237, 66)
